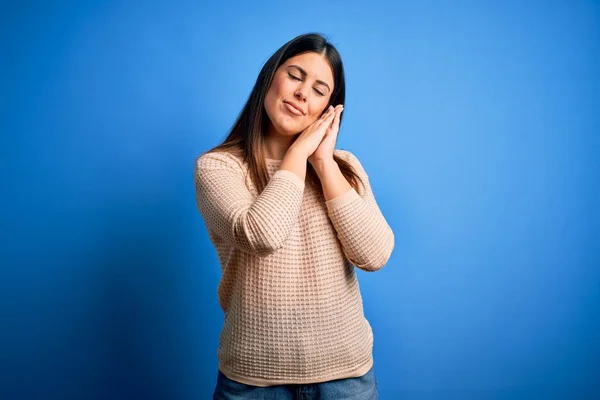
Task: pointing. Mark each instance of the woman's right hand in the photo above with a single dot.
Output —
(310, 139)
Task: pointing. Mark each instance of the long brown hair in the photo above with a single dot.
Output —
(246, 138)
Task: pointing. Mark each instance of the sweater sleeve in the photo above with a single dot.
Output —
(366, 238)
(256, 225)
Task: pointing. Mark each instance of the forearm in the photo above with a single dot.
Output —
(255, 224)
(294, 161)
(333, 182)
(365, 236)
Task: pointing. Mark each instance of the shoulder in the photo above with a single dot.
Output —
(218, 160)
(350, 158)
(346, 155)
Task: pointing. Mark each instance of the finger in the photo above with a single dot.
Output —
(327, 120)
(330, 117)
(337, 110)
(323, 117)
(335, 124)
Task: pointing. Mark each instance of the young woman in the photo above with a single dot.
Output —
(290, 218)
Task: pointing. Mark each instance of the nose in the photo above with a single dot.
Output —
(299, 94)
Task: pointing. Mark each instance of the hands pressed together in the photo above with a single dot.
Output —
(318, 140)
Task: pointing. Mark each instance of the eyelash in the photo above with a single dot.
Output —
(294, 77)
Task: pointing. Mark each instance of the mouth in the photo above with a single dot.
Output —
(293, 109)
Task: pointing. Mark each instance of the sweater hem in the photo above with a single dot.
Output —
(342, 200)
(289, 175)
(264, 382)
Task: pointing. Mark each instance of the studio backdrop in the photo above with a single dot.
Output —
(477, 122)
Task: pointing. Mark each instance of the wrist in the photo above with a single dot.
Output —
(323, 166)
(297, 153)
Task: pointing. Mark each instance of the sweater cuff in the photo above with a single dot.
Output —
(290, 176)
(342, 200)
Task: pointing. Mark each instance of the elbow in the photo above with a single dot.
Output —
(264, 249)
(378, 262)
(262, 239)
(373, 266)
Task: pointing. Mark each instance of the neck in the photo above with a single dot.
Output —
(276, 145)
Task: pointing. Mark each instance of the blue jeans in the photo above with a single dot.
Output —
(361, 388)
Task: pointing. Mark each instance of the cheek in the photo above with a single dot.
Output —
(277, 87)
(270, 97)
(275, 94)
(271, 101)
(319, 109)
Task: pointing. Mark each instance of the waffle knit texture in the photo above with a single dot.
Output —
(289, 291)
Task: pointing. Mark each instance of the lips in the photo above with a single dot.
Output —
(293, 108)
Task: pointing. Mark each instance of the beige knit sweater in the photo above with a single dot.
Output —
(289, 291)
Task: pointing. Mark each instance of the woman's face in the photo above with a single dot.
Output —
(299, 93)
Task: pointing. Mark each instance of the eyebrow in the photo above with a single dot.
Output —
(303, 72)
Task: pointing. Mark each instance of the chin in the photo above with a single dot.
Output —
(287, 129)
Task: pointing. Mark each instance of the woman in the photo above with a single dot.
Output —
(290, 217)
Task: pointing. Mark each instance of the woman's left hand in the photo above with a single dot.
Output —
(324, 152)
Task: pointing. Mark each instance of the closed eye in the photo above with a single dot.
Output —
(294, 77)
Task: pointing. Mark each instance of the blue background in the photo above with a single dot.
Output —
(477, 122)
